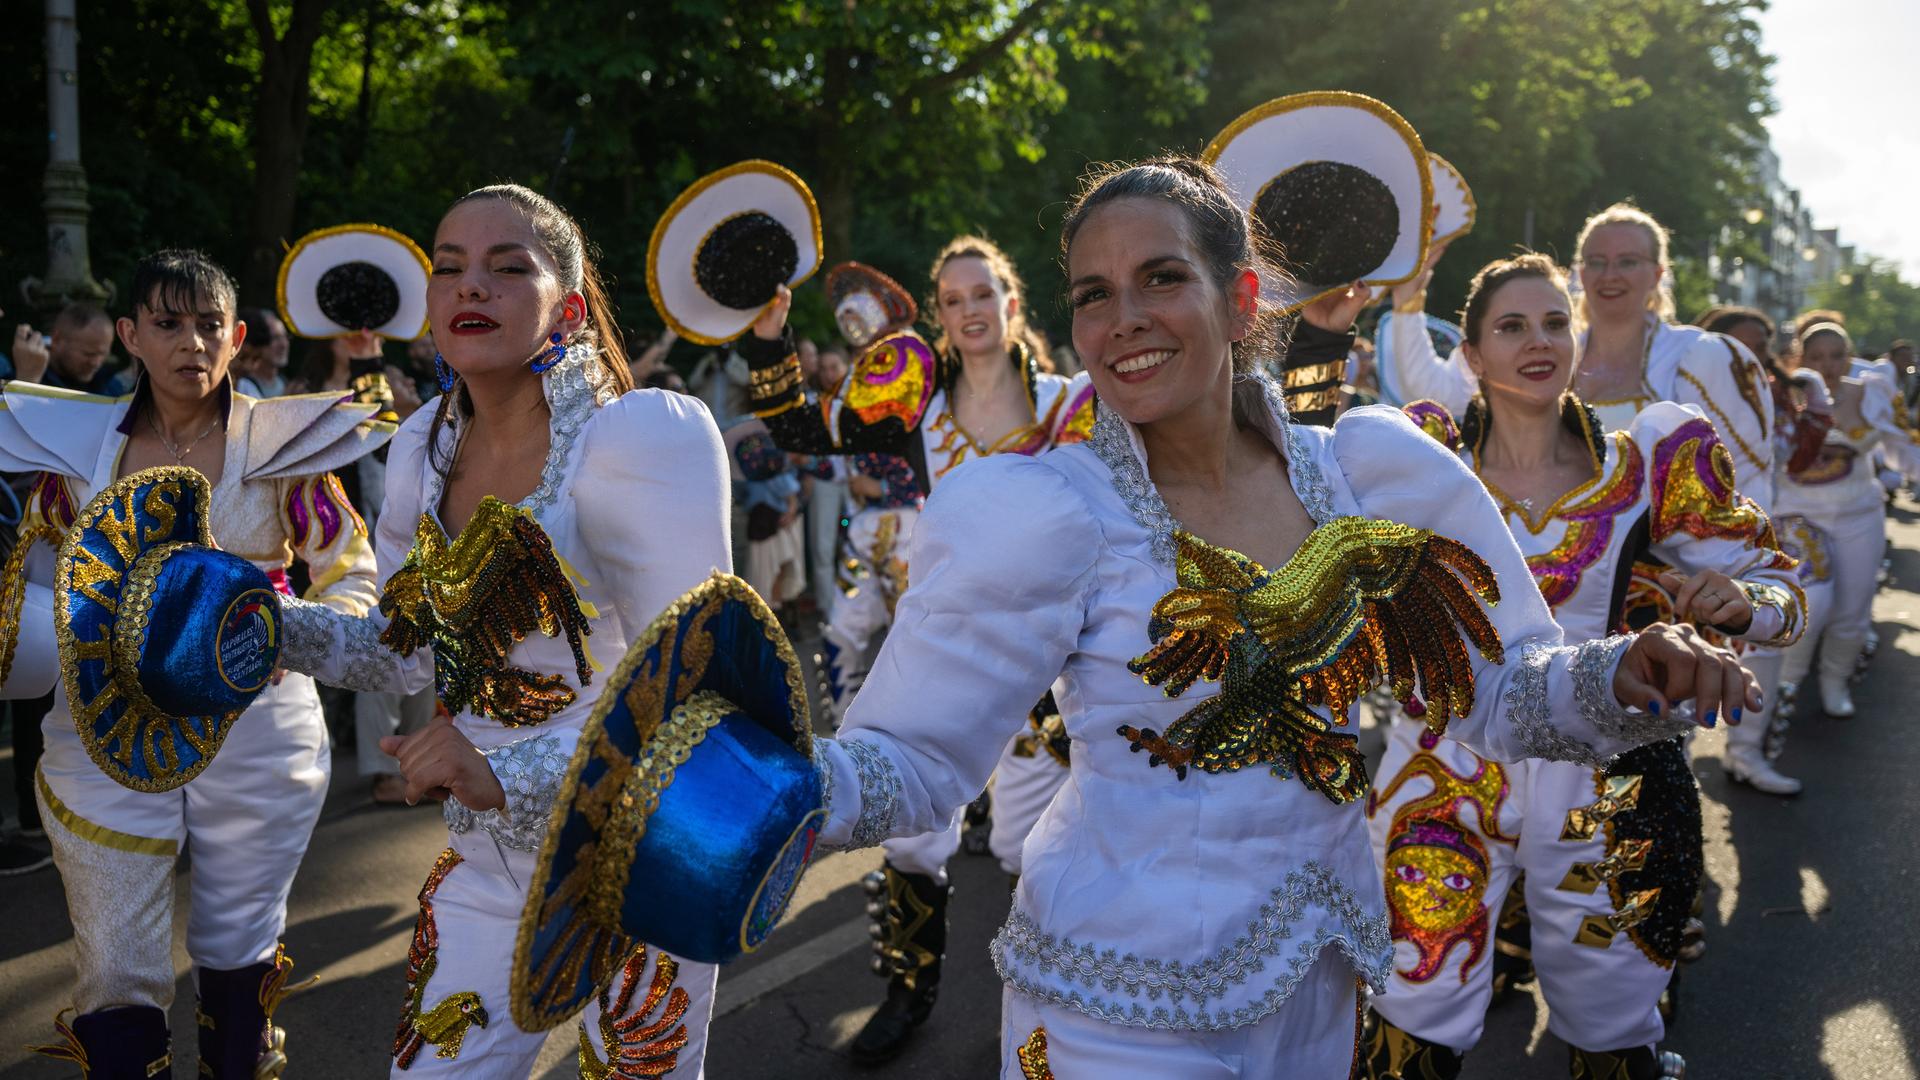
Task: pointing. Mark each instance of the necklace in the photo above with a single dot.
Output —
(179, 455)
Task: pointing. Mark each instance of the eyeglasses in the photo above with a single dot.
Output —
(1595, 265)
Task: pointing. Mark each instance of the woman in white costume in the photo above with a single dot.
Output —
(1611, 852)
(981, 391)
(247, 816)
(1200, 899)
(1840, 495)
(541, 516)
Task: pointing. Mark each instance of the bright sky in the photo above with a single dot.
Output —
(1848, 133)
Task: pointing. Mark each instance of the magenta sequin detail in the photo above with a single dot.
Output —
(325, 512)
(297, 515)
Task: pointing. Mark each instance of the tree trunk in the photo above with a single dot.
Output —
(279, 138)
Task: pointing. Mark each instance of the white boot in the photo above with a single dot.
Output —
(1746, 762)
(1747, 765)
(1837, 658)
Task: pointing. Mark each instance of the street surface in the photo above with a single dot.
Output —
(1810, 941)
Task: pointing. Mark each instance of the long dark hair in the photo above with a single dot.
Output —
(561, 235)
(1226, 235)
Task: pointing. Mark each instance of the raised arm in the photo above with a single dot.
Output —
(1003, 560)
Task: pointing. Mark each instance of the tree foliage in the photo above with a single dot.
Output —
(911, 119)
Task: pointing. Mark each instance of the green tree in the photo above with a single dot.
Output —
(1879, 305)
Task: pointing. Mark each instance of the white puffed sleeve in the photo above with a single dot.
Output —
(1410, 370)
(1718, 375)
(1548, 699)
(1697, 523)
(652, 498)
(1876, 408)
(1001, 565)
(345, 650)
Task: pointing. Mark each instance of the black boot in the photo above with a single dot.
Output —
(1394, 1054)
(1638, 1063)
(238, 1039)
(124, 1043)
(909, 940)
(976, 829)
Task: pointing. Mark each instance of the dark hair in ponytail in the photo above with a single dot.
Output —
(576, 259)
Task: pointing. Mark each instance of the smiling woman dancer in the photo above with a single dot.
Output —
(1182, 894)
(984, 393)
(1610, 851)
(545, 507)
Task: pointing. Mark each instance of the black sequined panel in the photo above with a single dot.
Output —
(358, 295)
(1334, 222)
(744, 259)
(1668, 813)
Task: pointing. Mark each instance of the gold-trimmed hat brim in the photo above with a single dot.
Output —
(1336, 126)
(323, 249)
(742, 187)
(1454, 210)
(651, 680)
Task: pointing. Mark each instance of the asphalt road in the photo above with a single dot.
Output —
(1810, 945)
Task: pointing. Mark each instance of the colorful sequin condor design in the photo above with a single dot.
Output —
(1437, 865)
(1693, 487)
(892, 379)
(639, 1043)
(445, 1025)
(474, 599)
(1362, 601)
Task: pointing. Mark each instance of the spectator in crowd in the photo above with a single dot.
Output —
(29, 352)
(261, 368)
(652, 357)
(664, 378)
(775, 547)
(76, 354)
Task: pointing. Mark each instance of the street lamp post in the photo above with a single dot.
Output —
(69, 273)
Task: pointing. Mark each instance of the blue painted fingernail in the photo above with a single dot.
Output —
(1712, 717)
(1653, 707)
(1735, 718)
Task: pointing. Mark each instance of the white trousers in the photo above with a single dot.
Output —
(1023, 785)
(1314, 1036)
(457, 1018)
(1837, 629)
(376, 714)
(873, 573)
(1451, 831)
(247, 817)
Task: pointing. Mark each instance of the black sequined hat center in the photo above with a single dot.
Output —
(744, 259)
(1334, 222)
(358, 295)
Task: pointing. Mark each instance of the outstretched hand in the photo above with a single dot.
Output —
(438, 761)
(773, 318)
(1337, 311)
(1404, 292)
(1668, 664)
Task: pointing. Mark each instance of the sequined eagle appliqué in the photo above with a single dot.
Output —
(474, 599)
(1361, 602)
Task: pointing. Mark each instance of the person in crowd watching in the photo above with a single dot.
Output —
(76, 353)
(261, 368)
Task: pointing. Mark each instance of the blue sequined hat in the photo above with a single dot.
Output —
(164, 639)
(689, 810)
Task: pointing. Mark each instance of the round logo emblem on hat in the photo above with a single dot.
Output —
(246, 643)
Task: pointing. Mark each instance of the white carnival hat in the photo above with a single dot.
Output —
(720, 250)
(1339, 181)
(1454, 210)
(350, 278)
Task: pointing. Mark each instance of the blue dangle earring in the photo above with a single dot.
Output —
(554, 352)
(443, 372)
